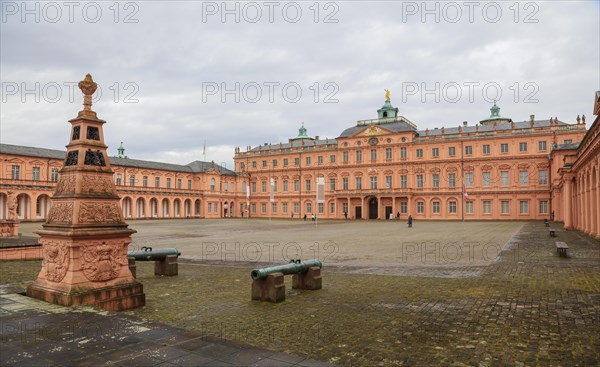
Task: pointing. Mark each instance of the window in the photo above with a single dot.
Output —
(190, 185)
(523, 147)
(468, 150)
(388, 182)
(388, 153)
(345, 157)
(543, 177)
(320, 208)
(132, 180)
(419, 181)
(285, 185)
(486, 149)
(332, 184)
(55, 175)
(419, 153)
(285, 162)
(403, 207)
(307, 184)
(297, 161)
(568, 141)
(263, 186)
(505, 205)
(16, 172)
(332, 207)
(487, 179)
(309, 207)
(253, 186)
(452, 180)
(119, 179)
(373, 154)
(35, 173)
(345, 208)
(168, 183)
(523, 207)
(320, 159)
(403, 182)
(179, 183)
(145, 181)
(244, 188)
(284, 208)
(373, 182)
(296, 207)
(212, 184)
(542, 146)
(435, 207)
(253, 208)
(332, 158)
(469, 179)
(359, 155)
(263, 208)
(420, 207)
(274, 162)
(503, 148)
(308, 160)
(210, 207)
(264, 163)
(274, 185)
(523, 178)
(504, 178)
(273, 208)
(451, 151)
(403, 152)
(435, 152)
(487, 207)
(253, 164)
(543, 206)
(296, 185)
(156, 182)
(359, 183)
(468, 207)
(242, 166)
(452, 207)
(345, 183)
(435, 180)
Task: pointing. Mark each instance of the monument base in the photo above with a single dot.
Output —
(112, 298)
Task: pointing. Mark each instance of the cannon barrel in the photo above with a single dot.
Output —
(294, 267)
(148, 254)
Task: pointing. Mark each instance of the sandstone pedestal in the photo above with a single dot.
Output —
(270, 289)
(169, 266)
(311, 280)
(9, 228)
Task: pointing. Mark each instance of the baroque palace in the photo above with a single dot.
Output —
(382, 168)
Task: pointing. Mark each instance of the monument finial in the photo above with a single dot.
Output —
(387, 94)
(88, 87)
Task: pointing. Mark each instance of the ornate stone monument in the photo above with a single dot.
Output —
(10, 227)
(85, 237)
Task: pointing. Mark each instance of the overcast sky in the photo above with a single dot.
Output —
(176, 74)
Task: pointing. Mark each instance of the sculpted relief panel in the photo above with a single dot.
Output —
(101, 261)
(97, 184)
(56, 260)
(95, 212)
(61, 213)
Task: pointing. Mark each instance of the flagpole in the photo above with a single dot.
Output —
(462, 174)
(204, 151)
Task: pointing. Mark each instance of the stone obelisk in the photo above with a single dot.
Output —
(85, 238)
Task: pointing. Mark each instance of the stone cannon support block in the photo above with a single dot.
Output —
(270, 289)
(132, 266)
(169, 266)
(310, 280)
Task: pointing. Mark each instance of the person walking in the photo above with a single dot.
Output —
(345, 215)
(410, 220)
(305, 217)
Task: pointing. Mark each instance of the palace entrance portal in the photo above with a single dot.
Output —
(373, 208)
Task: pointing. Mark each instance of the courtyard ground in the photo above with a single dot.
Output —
(441, 293)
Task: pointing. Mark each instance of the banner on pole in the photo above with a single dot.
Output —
(272, 190)
(320, 189)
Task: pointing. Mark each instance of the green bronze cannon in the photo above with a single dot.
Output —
(294, 267)
(147, 254)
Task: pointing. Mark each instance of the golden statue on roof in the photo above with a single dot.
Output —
(387, 94)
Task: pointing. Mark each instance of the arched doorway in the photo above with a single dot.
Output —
(373, 208)
(197, 205)
(126, 207)
(165, 208)
(42, 206)
(140, 208)
(153, 208)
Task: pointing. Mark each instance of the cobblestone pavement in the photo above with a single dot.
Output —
(528, 307)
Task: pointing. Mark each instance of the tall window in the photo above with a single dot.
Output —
(403, 152)
(468, 150)
(132, 180)
(373, 182)
(253, 206)
(157, 182)
(273, 208)
(253, 186)
(542, 146)
(168, 182)
(320, 159)
(451, 151)
(332, 207)
(419, 181)
(308, 160)
(505, 205)
(145, 181)
(523, 147)
(403, 207)
(523, 178)
(504, 178)
(373, 154)
(451, 180)
(190, 185)
(296, 207)
(210, 207)
(264, 163)
(420, 207)
(543, 177)
(388, 153)
(309, 207)
(543, 206)
(359, 183)
(285, 208)
(285, 162)
(486, 149)
(119, 179)
(213, 184)
(403, 182)
(435, 152)
(320, 208)
(435, 180)
(452, 207)
(179, 184)
(419, 153)
(296, 161)
(263, 186)
(263, 208)
(16, 172)
(254, 166)
(487, 179)
(468, 207)
(332, 184)
(345, 183)
(359, 155)
(296, 185)
(388, 182)
(345, 208)
(285, 185)
(274, 162)
(523, 207)
(504, 148)
(345, 156)
(435, 207)
(54, 174)
(307, 185)
(469, 179)
(487, 207)
(332, 158)
(35, 173)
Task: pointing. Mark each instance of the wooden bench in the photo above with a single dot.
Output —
(552, 232)
(561, 248)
